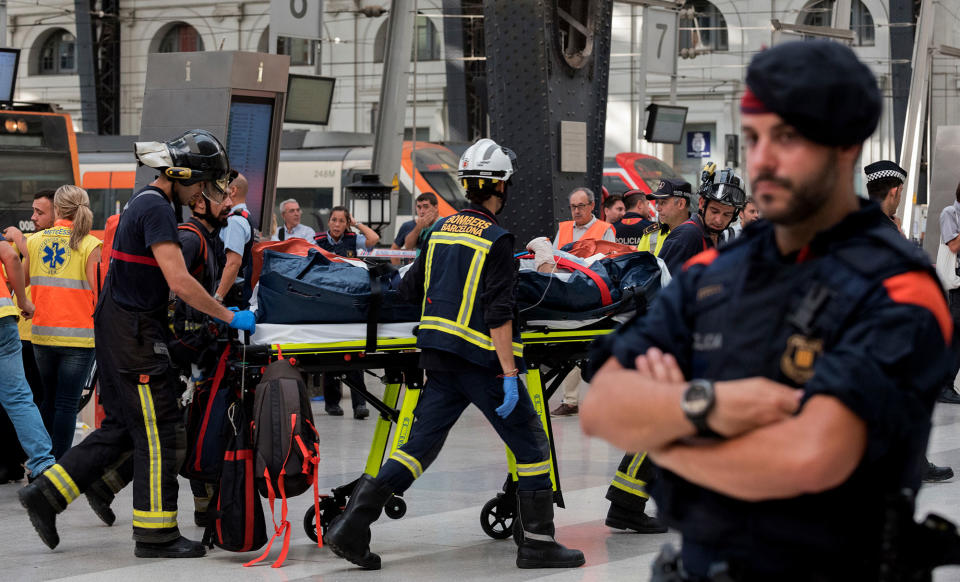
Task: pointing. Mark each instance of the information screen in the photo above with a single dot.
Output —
(248, 147)
(309, 99)
(665, 123)
(9, 58)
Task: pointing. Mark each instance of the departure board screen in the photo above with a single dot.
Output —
(9, 58)
(248, 146)
(309, 99)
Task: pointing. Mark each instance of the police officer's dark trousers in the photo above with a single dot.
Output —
(140, 401)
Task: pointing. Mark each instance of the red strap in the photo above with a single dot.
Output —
(250, 497)
(284, 526)
(605, 297)
(316, 494)
(279, 352)
(703, 240)
(272, 497)
(217, 378)
(203, 245)
(128, 258)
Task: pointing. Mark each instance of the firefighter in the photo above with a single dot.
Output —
(471, 352)
(137, 387)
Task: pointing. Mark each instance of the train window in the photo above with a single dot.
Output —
(614, 184)
(105, 202)
(438, 166)
(315, 204)
(651, 170)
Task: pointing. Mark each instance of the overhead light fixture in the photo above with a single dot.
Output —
(816, 31)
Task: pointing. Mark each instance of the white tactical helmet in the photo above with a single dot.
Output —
(486, 160)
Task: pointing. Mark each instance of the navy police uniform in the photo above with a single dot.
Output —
(830, 320)
(137, 386)
(459, 279)
(685, 241)
(631, 228)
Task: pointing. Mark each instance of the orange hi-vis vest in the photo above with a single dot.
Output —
(60, 289)
(595, 232)
(6, 302)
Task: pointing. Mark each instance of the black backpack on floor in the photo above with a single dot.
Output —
(236, 514)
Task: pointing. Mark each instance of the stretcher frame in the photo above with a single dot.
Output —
(560, 350)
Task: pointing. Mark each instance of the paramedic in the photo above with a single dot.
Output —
(584, 224)
(238, 238)
(672, 198)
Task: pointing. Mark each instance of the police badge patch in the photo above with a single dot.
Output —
(799, 356)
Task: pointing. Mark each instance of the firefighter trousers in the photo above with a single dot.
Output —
(629, 486)
(444, 398)
(139, 396)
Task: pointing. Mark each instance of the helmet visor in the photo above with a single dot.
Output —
(215, 190)
(729, 194)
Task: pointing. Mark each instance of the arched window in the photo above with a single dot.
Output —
(820, 12)
(426, 41)
(707, 30)
(58, 54)
(180, 38)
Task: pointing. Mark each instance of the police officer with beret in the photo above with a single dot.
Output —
(779, 399)
(633, 224)
(672, 198)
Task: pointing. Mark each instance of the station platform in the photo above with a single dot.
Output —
(439, 538)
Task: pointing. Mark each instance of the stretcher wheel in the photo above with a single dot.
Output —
(496, 518)
(310, 524)
(395, 507)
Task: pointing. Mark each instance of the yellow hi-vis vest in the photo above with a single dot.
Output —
(60, 289)
(655, 237)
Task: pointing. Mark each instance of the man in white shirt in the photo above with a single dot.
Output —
(292, 228)
(950, 236)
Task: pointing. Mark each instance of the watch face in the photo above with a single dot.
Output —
(695, 400)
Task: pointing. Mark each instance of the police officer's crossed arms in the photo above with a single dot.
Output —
(776, 392)
(137, 383)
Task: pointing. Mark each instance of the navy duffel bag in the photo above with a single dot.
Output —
(314, 289)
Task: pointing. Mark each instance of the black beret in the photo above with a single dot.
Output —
(819, 87)
(671, 187)
(884, 169)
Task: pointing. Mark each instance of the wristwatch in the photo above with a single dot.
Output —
(697, 402)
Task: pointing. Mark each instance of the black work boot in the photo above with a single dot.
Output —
(349, 534)
(99, 496)
(620, 517)
(538, 549)
(361, 411)
(43, 503)
(178, 548)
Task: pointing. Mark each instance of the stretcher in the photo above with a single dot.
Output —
(550, 354)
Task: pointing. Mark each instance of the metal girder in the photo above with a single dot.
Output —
(542, 71)
(916, 113)
(107, 64)
(86, 65)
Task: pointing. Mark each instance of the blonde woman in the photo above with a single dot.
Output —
(63, 277)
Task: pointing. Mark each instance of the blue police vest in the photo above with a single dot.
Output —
(345, 247)
(452, 317)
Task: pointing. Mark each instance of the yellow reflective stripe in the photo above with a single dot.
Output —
(470, 288)
(153, 446)
(471, 335)
(450, 238)
(635, 463)
(531, 469)
(154, 519)
(630, 485)
(63, 482)
(426, 279)
(409, 462)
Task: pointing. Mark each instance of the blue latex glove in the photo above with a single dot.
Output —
(510, 396)
(244, 320)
